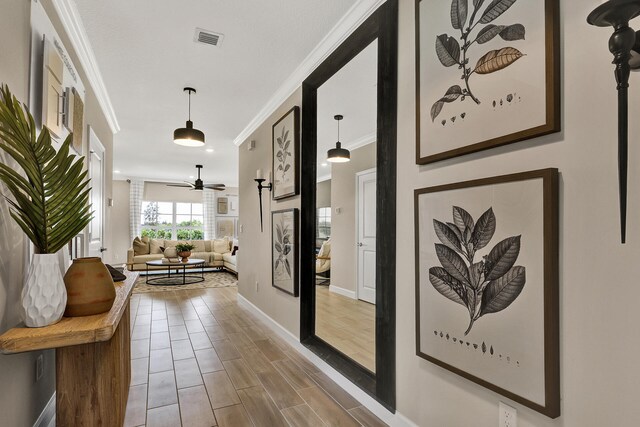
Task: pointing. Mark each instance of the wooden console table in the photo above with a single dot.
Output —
(93, 361)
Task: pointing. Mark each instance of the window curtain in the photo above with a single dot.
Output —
(136, 191)
(209, 210)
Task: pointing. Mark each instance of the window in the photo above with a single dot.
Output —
(172, 220)
(323, 226)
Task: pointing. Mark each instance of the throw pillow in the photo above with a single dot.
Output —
(170, 243)
(140, 247)
(199, 245)
(170, 252)
(207, 246)
(221, 246)
(155, 245)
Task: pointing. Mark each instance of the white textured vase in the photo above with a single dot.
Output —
(44, 296)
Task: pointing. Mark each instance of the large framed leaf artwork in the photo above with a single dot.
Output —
(284, 251)
(286, 155)
(488, 74)
(487, 284)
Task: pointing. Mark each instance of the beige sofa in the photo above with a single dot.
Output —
(216, 253)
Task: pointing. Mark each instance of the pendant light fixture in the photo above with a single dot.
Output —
(338, 154)
(188, 136)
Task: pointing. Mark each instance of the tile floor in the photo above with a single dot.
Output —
(199, 359)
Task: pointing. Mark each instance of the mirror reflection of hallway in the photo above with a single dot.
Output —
(346, 211)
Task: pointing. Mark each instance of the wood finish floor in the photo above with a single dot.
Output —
(199, 359)
(347, 324)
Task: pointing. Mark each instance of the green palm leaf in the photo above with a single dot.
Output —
(51, 200)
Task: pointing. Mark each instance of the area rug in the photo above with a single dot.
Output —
(218, 279)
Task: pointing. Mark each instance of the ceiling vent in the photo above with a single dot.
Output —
(208, 37)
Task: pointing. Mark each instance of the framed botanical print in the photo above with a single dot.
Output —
(284, 250)
(286, 155)
(488, 74)
(487, 284)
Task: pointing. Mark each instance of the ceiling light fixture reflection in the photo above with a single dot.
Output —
(338, 154)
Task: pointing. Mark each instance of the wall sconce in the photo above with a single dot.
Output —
(260, 179)
(624, 41)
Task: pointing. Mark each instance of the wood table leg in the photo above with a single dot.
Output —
(92, 380)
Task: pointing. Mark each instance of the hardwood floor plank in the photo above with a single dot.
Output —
(226, 350)
(335, 391)
(220, 389)
(302, 362)
(200, 340)
(187, 373)
(329, 411)
(302, 416)
(208, 361)
(136, 413)
(366, 417)
(260, 407)
(256, 360)
(240, 340)
(165, 416)
(232, 416)
(240, 374)
(195, 408)
(215, 332)
(293, 374)
(162, 390)
(270, 350)
(279, 390)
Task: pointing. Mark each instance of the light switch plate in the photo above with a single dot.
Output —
(508, 416)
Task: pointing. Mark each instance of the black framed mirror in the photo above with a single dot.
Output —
(376, 374)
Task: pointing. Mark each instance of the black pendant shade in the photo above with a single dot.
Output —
(338, 154)
(189, 136)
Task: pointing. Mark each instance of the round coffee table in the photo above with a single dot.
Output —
(179, 277)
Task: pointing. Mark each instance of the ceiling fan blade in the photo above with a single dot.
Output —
(180, 185)
(216, 186)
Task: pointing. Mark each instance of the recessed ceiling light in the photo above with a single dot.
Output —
(324, 165)
(209, 150)
(116, 171)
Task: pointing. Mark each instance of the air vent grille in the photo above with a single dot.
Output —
(208, 37)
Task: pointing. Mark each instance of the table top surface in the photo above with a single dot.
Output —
(71, 330)
(190, 261)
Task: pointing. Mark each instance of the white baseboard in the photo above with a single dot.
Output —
(342, 291)
(394, 420)
(47, 417)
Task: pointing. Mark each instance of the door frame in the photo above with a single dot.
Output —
(94, 141)
(383, 26)
(357, 193)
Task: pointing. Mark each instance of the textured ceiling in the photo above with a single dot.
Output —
(146, 54)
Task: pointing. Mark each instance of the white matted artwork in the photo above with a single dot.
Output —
(284, 250)
(488, 74)
(286, 155)
(486, 284)
(225, 227)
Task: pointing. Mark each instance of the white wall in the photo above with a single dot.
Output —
(598, 276)
(120, 222)
(343, 225)
(254, 256)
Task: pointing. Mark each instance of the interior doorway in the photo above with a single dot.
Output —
(366, 235)
(96, 248)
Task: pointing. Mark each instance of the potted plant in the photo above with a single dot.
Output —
(184, 250)
(50, 204)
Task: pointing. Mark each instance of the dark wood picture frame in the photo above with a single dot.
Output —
(295, 277)
(296, 155)
(550, 178)
(553, 106)
(383, 26)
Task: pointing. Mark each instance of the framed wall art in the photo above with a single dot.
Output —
(488, 74)
(487, 284)
(284, 250)
(286, 155)
(223, 205)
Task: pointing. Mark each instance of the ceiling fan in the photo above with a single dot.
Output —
(199, 185)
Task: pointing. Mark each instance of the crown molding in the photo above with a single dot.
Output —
(355, 16)
(75, 30)
(362, 141)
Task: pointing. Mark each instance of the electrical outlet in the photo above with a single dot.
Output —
(508, 416)
(39, 367)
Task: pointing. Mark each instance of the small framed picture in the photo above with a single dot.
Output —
(284, 250)
(286, 155)
(488, 74)
(487, 284)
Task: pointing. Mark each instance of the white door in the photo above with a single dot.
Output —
(366, 234)
(96, 173)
